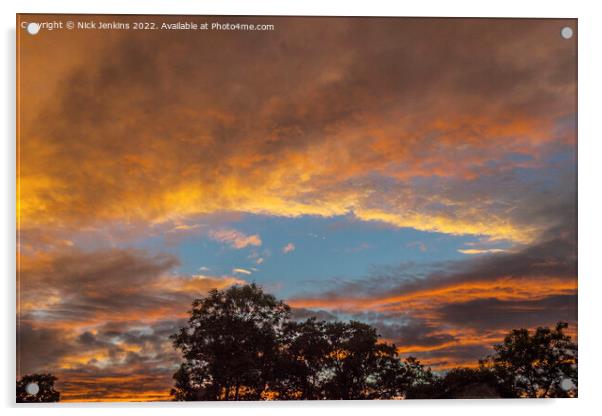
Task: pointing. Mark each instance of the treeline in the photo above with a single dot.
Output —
(240, 344)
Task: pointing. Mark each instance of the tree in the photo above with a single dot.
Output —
(302, 362)
(229, 345)
(470, 383)
(542, 364)
(239, 344)
(45, 389)
(363, 367)
(416, 381)
(337, 360)
(351, 361)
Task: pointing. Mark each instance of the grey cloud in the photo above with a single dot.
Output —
(301, 314)
(40, 349)
(414, 332)
(493, 313)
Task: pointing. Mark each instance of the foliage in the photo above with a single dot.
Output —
(339, 361)
(240, 344)
(538, 364)
(229, 345)
(46, 392)
(463, 383)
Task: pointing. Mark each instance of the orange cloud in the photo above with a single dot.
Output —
(201, 149)
(301, 131)
(429, 298)
(480, 251)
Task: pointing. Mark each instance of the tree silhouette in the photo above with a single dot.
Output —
(45, 385)
(418, 381)
(229, 345)
(302, 361)
(465, 383)
(542, 364)
(337, 360)
(239, 344)
(361, 366)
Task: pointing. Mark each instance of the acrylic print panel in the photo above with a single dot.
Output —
(295, 208)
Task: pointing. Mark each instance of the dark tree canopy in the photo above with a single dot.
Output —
(45, 385)
(240, 344)
(356, 361)
(302, 360)
(340, 361)
(539, 364)
(229, 345)
(463, 383)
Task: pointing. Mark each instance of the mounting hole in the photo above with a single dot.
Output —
(566, 32)
(33, 28)
(32, 389)
(566, 384)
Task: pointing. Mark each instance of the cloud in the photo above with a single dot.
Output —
(100, 321)
(379, 141)
(459, 308)
(76, 286)
(517, 274)
(290, 247)
(241, 271)
(499, 314)
(234, 238)
(476, 136)
(39, 349)
(301, 314)
(185, 227)
(259, 257)
(110, 362)
(480, 250)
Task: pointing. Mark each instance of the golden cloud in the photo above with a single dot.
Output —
(301, 132)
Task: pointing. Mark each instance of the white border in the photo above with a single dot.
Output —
(590, 70)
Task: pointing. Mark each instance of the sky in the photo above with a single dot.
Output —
(415, 174)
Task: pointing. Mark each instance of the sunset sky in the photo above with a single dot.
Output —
(415, 174)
